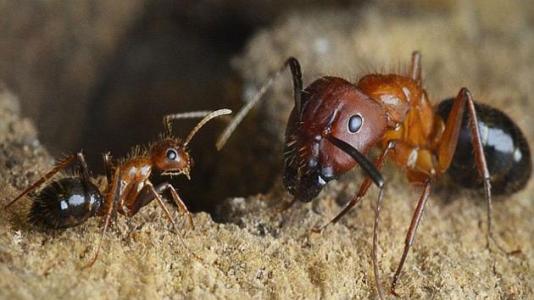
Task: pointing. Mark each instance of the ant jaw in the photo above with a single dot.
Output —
(177, 173)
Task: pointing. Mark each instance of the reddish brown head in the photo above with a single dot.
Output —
(331, 108)
(170, 157)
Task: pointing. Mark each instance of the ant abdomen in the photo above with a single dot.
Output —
(506, 149)
(65, 203)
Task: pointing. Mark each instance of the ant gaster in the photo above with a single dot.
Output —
(72, 200)
(334, 123)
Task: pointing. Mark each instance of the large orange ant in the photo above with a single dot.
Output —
(334, 123)
(70, 201)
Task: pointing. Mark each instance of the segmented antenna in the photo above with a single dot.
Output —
(206, 119)
(167, 120)
(297, 89)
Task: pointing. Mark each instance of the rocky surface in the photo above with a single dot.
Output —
(255, 251)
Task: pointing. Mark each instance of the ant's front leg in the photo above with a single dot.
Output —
(362, 191)
(149, 193)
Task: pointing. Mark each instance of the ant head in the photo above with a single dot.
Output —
(331, 109)
(170, 157)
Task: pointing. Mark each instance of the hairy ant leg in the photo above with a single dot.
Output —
(410, 236)
(59, 166)
(296, 74)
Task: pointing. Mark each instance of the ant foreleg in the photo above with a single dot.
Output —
(296, 74)
(157, 196)
(177, 200)
(149, 193)
(362, 191)
(410, 236)
(60, 165)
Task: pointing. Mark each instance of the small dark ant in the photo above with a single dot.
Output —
(334, 123)
(70, 201)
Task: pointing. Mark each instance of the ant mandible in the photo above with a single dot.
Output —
(334, 123)
(70, 201)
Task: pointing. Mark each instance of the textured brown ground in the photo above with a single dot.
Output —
(261, 253)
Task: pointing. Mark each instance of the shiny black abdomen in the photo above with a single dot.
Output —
(506, 149)
(65, 203)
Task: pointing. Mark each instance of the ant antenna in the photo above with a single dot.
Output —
(202, 122)
(294, 66)
(187, 115)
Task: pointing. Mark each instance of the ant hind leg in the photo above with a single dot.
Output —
(59, 166)
(448, 145)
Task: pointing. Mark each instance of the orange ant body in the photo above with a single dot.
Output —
(334, 124)
(72, 200)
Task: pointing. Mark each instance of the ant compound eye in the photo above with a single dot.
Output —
(171, 154)
(355, 123)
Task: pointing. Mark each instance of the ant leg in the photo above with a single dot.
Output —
(156, 195)
(110, 202)
(60, 165)
(416, 69)
(374, 253)
(83, 166)
(448, 147)
(363, 189)
(108, 166)
(179, 202)
(287, 205)
(84, 170)
(296, 74)
(410, 236)
(149, 193)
